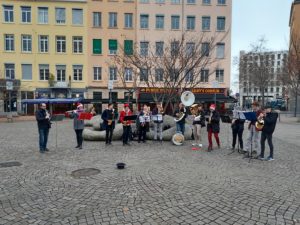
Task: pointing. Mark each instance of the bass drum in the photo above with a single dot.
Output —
(178, 139)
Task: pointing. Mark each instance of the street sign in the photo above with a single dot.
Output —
(9, 85)
(110, 84)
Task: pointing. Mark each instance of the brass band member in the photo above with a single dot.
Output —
(157, 116)
(126, 123)
(270, 119)
(213, 126)
(144, 123)
(181, 114)
(78, 125)
(237, 127)
(198, 122)
(108, 117)
(43, 121)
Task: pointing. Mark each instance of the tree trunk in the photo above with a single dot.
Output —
(263, 97)
(296, 104)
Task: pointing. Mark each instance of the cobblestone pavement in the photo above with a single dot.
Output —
(162, 184)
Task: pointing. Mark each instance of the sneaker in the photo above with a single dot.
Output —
(200, 145)
(194, 144)
(269, 159)
(260, 158)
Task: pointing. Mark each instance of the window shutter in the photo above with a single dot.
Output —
(113, 45)
(128, 47)
(97, 46)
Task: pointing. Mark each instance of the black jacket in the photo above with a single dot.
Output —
(270, 123)
(42, 122)
(214, 123)
(183, 119)
(202, 119)
(108, 115)
(238, 125)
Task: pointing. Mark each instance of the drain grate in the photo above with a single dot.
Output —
(9, 164)
(85, 172)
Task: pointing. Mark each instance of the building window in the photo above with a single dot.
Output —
(206, 2)
(278, 56)
(144, 1)
(174, 75)
(26, 72)
(220, 50)
(44, 71)
(175, 21)
(160, 1)
(144, 48)
(112, 73)
(60, 44)
(277, 89)
(159, 22)
(190, 23)
(175, 1)
(97, 95)
(77, 16)
(144, 21)
(143, 75)
(43, 15)
(112, 46)
(205, 23)
(77, 72)
(43, 43)
(8, 13)
(9, 42)
(26, 43)
(204, 76)
(9, 71)
(60, 15)
(159, 75)
(190, 48)
(159, 48)
(191, 1)
(174, 48)
(77, 44)
(61, 73)
(97, 19)
(97, 73)
(205, 49)
(189, 77)
(221, 2)
(113, 17)
(278, 63)
(221, 23)
(220, 76)
(128, 47)
(128, 74)
(128, 20)
(26, 14)
(97, 46)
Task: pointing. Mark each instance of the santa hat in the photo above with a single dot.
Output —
(126, 105)
(79, 105)
(212, 106)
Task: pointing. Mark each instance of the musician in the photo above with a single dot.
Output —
(126, 124)
(213, 126)
(198, 122)
(108, 117)
(270, 119)
(78, 125)
(43, 121)
(253, 132)
(237, 127)
(157, 115)
(180, 112)
(144, 123)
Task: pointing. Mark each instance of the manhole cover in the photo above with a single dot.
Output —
(85, 172)
(10, 164)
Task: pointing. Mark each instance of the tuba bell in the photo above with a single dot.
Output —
(187, 98)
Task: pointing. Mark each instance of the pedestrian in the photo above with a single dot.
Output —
(157, 117)
(43, 121)
(237, 127)
(144, 123)
(126, 123)
(198, 122)
(213, 126)
(108, 117)
(180, 115)
(78, 125)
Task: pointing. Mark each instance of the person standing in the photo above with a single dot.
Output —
(198, 122)
(144, 122)
(270, 119)
(213, 127)
(180, 115)
(253, 138)
(108, 117)
(157, 116)
(237, 127)
(78, 125)
(126, 123)
(43, 121)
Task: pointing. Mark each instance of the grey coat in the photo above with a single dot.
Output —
(77, 124)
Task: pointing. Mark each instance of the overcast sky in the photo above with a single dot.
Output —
(255, 18)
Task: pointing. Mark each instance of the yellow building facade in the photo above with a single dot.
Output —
(43, 50)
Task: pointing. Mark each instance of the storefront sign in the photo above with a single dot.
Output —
(194, 90)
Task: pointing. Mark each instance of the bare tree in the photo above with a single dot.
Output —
(290, 75)
(170, 67)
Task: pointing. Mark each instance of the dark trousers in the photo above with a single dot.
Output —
(142, 133)
(109, 134)
(79, 137)
(239, 133)
(43, 138)
(263, 138)
(126, 131)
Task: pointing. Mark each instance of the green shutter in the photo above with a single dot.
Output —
(97, 46)
(128, 47)
(113, 44)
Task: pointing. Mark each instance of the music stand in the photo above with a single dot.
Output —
(132, 117)
(85, 116)
(251, 116)
(55, 119)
